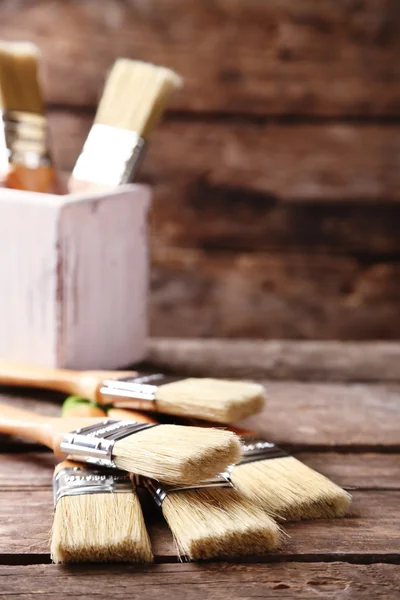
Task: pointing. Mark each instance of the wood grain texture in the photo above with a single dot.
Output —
(365, 471)
(196, 293)
(372, 529)
(278, 359)
(224, 162)
(254, 57)
(210, 581)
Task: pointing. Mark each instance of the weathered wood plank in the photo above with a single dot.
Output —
(208, 581)
(353, 471)
(258, 295)
(251, 57)
(312, 415)
(217, 165)
(373, 528)
(279, 359)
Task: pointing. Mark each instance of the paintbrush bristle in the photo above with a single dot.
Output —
(177, 454)
(218, 523)
(19, 78)
(104, 527)
(135, 95)
(211, 399)
(287, 488)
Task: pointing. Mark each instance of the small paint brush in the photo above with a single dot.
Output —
(170, 453)
(97, 517)
(133, 101)
(283, 485)
(216, 400)
(25, 125)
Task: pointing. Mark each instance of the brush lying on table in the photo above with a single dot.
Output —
(210, 399)
(98, 517)
(25, 126)
(279, 483)
(283, 485)
(171, 453)
(209, 519)
(134, 98)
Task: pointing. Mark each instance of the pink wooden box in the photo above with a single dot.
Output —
(74, 277)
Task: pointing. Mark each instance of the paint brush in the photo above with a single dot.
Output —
(133, 101)
(25, 125)
(279, 483)
(216, 400)
(170, 453)
(210, 519)
(97, 517)
(284, 486)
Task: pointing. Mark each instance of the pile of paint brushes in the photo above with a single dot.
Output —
(222, 490)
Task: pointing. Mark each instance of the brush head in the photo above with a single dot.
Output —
(19, 79)
(211, 399)
(218, 523)
(286, 488)
(135, 95)
(99, 527)
(177, 454)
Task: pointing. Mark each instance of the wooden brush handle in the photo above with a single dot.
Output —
(48, 431)
(123, 414)
(78, 383)
(15, 421)
(41, 179)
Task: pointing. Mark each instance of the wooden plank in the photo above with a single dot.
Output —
(373, 529)
(244, 169)
(278, 359)
(251, 57)
(258, 295)
(322, 416)
(365, 471)
(208, 581)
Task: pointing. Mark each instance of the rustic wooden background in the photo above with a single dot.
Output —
(277, 170)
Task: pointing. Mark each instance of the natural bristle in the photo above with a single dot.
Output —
(287, 488)
(105, 527)
(218, 523)
(178, 454)
(135, 95)
(19, 81)
(211, 399)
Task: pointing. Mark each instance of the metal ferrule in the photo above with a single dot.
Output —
(255, 448)
(26, 138)
(159, 491)
(110, 156)
(76, 481)
(95, 444)
(140, 389)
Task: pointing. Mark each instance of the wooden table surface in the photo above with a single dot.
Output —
(349, 430)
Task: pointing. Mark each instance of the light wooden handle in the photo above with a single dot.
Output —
(48, 431)
(123, 414)
(15, 421)
(79, 383)
(40, 179)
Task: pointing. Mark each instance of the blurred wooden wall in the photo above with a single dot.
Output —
(277, 170)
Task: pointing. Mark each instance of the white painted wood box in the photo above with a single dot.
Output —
(74, 277)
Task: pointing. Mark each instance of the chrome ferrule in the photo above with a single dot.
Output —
(137, 392)
(255, 448)
(26, 138)
(95, 444)
(159, 491)
(110, 156)
(77, 481)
